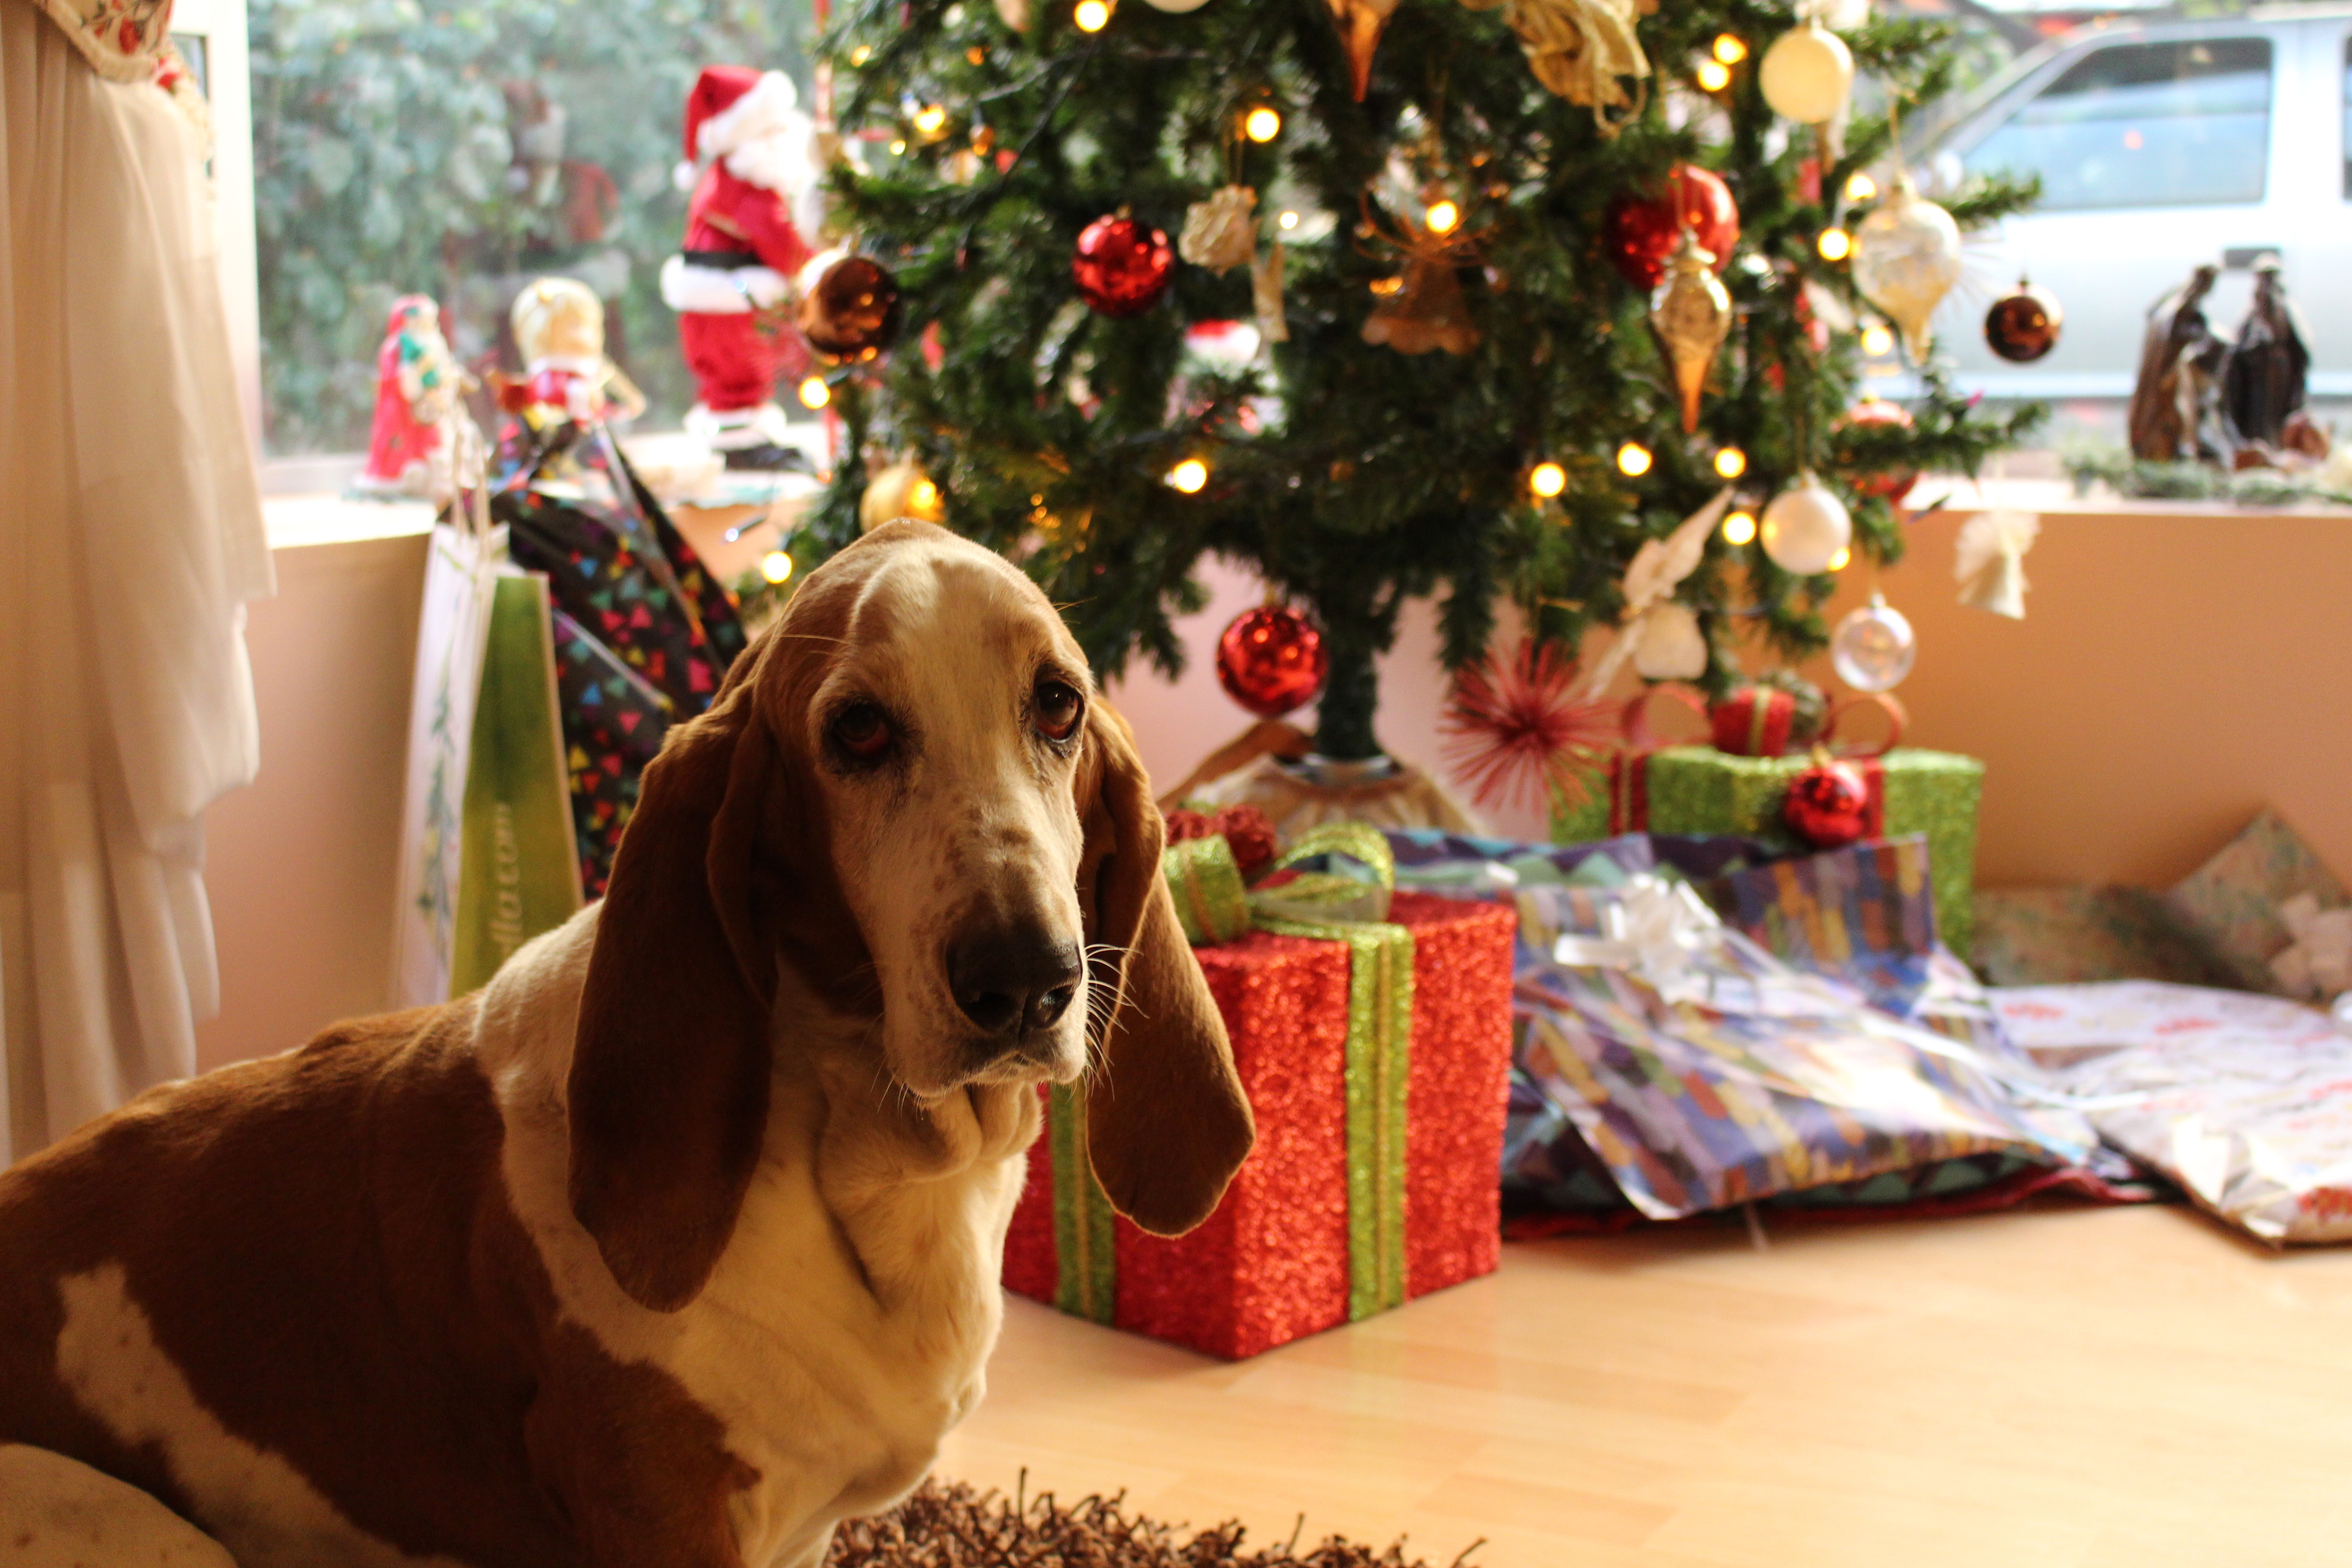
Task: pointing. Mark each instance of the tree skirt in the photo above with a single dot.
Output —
(950, 1524)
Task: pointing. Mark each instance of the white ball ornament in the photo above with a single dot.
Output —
(1805, 527)
(1176, 7)
(1670, 645)
(1906, 257)
(1807, 74)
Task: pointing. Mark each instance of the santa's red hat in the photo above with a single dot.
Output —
(731, 105)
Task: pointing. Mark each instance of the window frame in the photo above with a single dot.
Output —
(228, 88)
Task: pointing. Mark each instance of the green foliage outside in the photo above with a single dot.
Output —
(1350, 475)
(386, 161)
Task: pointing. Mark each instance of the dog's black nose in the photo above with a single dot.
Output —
(1011, 979)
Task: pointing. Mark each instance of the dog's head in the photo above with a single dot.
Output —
(910, 792)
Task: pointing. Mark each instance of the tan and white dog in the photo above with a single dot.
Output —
(679, 1242)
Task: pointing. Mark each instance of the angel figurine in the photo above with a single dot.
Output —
(417, 383)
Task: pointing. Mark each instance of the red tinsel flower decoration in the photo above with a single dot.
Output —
(1515, 726)
(1245, 829)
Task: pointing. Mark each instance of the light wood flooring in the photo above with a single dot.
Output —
(2068, 1388)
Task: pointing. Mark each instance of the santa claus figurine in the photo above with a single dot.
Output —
(756, 163)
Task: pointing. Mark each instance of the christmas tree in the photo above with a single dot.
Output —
(1488, 190)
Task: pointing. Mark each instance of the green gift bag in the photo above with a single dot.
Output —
(518, 870)
(485, 856)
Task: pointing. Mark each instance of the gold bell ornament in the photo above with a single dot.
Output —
(899, 489)
(1806, 528)
(1425, 311)
(1906, 257)
(1807, 75)
(1691, 313)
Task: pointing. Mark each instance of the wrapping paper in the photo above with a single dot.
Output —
(1699, 790)
(2234, 905)
(1733, 1076)
(1284, 1254)
(2245, 1101)
(1856, 1061)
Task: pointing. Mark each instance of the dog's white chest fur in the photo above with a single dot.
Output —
(848, 1323)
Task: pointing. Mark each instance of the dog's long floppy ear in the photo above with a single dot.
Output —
(1166, 1124)
(668, 1090)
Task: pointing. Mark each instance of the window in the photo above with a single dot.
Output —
(2347, 118)
(2145, 125)
(459, 149)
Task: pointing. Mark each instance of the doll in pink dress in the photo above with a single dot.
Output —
(416, 384)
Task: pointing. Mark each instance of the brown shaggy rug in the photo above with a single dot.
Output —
(950, 1524)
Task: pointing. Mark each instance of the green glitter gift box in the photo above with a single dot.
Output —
(1698, 789)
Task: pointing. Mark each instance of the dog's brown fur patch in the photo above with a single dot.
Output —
(323, 1246)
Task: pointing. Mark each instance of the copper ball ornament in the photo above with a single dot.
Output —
(849, 307)
(1828, 804)
(1122, 267)
(1640, 232)
(2022, 326)
(1271, 660)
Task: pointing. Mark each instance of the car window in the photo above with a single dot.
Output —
(2137, 125)
(2347, 117)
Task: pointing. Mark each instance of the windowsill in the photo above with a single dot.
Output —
(303, 522)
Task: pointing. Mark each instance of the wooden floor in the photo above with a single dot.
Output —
(2104, 1388)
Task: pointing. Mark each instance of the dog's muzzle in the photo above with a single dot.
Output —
(1010, 982)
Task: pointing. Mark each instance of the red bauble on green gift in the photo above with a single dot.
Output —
(1828, 804)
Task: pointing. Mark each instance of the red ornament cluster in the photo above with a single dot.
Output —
(1121, 268)
(1245, 828)
(1878, 411)
(1828, 804)
(1640, 232)
(1271, 660)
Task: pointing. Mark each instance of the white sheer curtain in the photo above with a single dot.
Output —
(130, 539)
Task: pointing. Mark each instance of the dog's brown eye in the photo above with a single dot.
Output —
(1056, 705)
(862, 730)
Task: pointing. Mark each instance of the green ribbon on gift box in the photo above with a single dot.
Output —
(1344, 876)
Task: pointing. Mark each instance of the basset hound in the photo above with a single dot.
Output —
(679, 1241)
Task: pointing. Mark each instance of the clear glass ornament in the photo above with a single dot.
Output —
(1906, 257)
(1873, 648)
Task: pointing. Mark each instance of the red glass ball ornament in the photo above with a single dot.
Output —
(1640, 232)
(1878, 411)
(1121, 268)
(1828, 804)
(1271, 660)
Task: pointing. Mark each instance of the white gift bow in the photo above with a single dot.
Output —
(1656, 928)
(1657, 569)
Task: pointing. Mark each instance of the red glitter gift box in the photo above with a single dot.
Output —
(1313, 1232)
